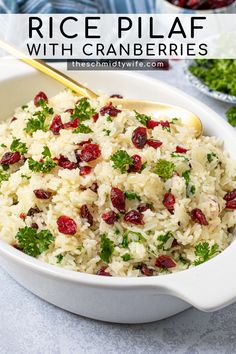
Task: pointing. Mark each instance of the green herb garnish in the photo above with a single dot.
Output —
(83, 110)
(190, 189)
(32, 242)
(46, 152)
(45, 166)
(231, 116)
(3, 145)
(211, 156)
(25, 176)
(4, 176)
(126, 257)
(59, 258)
(142, 118)
(107, 248)
(121, 160)
(24, 107)
(182, 156)
(39, 118)
(163, 239)
(107, 131)
(18, 146)
(132, 196)
(204, 252)
(109, 119)
(164, 169)
(82, 128)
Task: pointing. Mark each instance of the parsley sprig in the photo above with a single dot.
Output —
(32, 242)
(18, 146)
(83, 110)
(121, 160)
(44, 166)
(107, 248)
(82, 128)
(204, 252)
(164, 169)
(142, 118)
(163, 239)
(132, 196)
(37, 122)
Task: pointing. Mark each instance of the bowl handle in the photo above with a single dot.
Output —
(209, 286)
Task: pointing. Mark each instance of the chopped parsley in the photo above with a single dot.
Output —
(45, 166)
(107, 248)
(82, 128)
(46, 152)
(231, 116)
(125, 241)
(204, 252)
(32, 242)
(59, 258)
(163, 239)
(136, 237)
(37, 122)
(4, 176)
(3, 145)
(190, 188)
(25, 176)
(107, 131)
(121, 160)
(181, 156)
(24, 107)
(83, 110)
(164, 169)
(109, 119)
(126, 257)
(142, 118)
(18, 146)
(132, 196)
(211, 156)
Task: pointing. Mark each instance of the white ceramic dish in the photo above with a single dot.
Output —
(208, 287)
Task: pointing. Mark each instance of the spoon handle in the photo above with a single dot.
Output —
(50, 71)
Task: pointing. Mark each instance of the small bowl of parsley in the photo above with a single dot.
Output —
(214, 77)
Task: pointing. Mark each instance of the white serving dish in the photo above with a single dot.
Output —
(208, 287)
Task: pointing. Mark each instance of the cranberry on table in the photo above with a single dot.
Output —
(231, 204)
(154, 143)
(169, 201)
(136, 164)
(41, 96)
(145, 270)
(85, 170)
(118, 199)
(110, 110)
(42, 194)
(180, 150)
(66, 225)
(139, 137)
(85, 214)
(198, 216)
(230, 195)
(102, 271)
(164, 262)
(56, 125)
(9, 158)
(134, 217)
(90, 152)
(110, 217)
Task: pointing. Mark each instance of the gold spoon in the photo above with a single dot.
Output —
(154, 109)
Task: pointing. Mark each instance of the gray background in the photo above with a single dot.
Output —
(29, 325)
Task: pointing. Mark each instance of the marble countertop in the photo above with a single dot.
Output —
(28, 325)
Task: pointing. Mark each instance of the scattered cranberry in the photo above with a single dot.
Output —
(201, 5)
(143, 207)
(40, 96)
(154, 143)
(231, 204)
(42, 194)
(9, 158)
(151, 124)
(110, 110)
(102, 271)
(64, 162)
(198, 216)
(66, 225)
(84, 142)
(72, 124)
(34, 226)
(13, 119)
(116, 95)
(22, 216)
(180, 150)
(94, 187)
(165, 262)
(110, 217)
(56, 125)
(169, 202)
(95, 117)
(145, 270)
(118, 199)
(136, 164)
(85, 214)
(134, 217)
(230, 195)
(85, 170)
(69, 110)
(90, 152)
(139, 137)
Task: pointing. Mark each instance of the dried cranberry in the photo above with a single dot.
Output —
(139, 137)
(85, 214)
(110, 110)
(34, 226)
(154, 143)
(198, 216)
(175, 243)
(64, 162)
(102, 271)
(72, 124)
(13, 119)
(151, 124)
(42, 194)
(90, 152)
(77, 156)
(95, 117)
(164, 124)
(41, 96)
(230, 195)
(56, 125)
(145, 270)
(118, 199)
(22, 216)
(84, 142)
(136, 164)
(180, 150)
(69, 110)
(143, 207)
(169, 202)
(85, 170)
(116, 95)
(66, 225)
(94, 187)
(9, 158)
(165, 262)
(110, 217)
(231, 204)
(134, 217)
